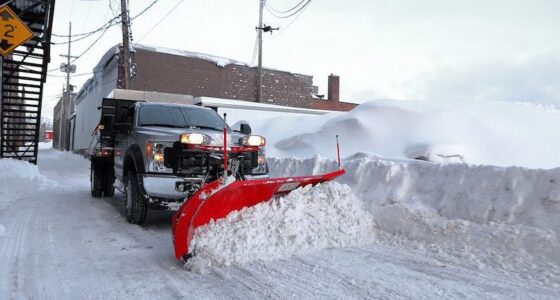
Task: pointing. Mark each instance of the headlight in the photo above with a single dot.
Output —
(261, 168)
(154, 153)
(195, 139)
(253, 140)
(158, 157)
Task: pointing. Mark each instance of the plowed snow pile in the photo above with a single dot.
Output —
(306, 219)
(19, 179)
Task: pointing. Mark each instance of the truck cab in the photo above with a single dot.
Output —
(158, 154)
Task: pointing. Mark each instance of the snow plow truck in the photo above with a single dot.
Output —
(185, 158)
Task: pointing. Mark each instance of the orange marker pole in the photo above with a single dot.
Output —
(225, 149)
(338, 152)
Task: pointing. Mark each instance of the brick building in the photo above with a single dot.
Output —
(182, 72)
(180, 76)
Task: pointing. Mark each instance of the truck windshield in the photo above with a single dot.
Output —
(179, 117)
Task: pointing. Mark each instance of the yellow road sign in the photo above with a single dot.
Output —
(13, 32)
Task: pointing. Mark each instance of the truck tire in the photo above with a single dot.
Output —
(136, 205)
(108, 187)
(96, 180)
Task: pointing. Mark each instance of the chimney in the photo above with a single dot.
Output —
(334, 88)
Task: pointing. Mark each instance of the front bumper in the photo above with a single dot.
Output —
(163, 187)
(162, 193)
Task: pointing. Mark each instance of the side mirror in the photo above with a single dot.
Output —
(245, 129)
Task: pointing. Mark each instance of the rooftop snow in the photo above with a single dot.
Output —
(218, 60)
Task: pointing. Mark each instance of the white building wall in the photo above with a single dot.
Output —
(87, 102)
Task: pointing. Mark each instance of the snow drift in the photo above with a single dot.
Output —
(475, 132)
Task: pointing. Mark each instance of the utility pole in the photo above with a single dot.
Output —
(261, 29)
(67, 97)
(68, 60)
(125, 20)
(259, 79)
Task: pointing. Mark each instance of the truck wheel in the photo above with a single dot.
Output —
(108, 187)
(96, 180)
(136, 205)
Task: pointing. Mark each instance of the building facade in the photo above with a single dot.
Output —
(201, 75)
(178, 73)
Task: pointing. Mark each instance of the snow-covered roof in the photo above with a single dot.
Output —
(106, 58)
(241, 104)
(218, 60)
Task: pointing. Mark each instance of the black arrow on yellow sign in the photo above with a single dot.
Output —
(6, 16)
(5, 45)
(13, 31)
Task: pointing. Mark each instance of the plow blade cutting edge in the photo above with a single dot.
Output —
(213, 202)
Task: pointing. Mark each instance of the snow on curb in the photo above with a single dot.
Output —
(307, 219)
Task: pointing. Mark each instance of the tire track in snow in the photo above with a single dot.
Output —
(243, 281)
(19, 234)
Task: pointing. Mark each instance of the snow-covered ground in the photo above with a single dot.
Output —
(473, 223)
(58, 242)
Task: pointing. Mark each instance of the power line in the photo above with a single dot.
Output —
(74, 75)
(105, 27)
(90, 46)
(293, 20)
(161, 20)
(109, 23)
(289, 15)
(285, 11)
(145, 10)
(114, 10)
(255, 48)
(85, 51)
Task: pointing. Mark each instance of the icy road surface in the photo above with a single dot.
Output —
(57, 242)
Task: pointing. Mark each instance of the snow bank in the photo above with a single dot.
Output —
(488, 215)
(479, 215)
(19, 179)
(475, 132)
(509, 214)
(481, 194)
(306, 219)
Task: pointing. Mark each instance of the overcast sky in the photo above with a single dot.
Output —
(402, 49)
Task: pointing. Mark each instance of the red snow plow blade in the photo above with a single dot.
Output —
(212, 203)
